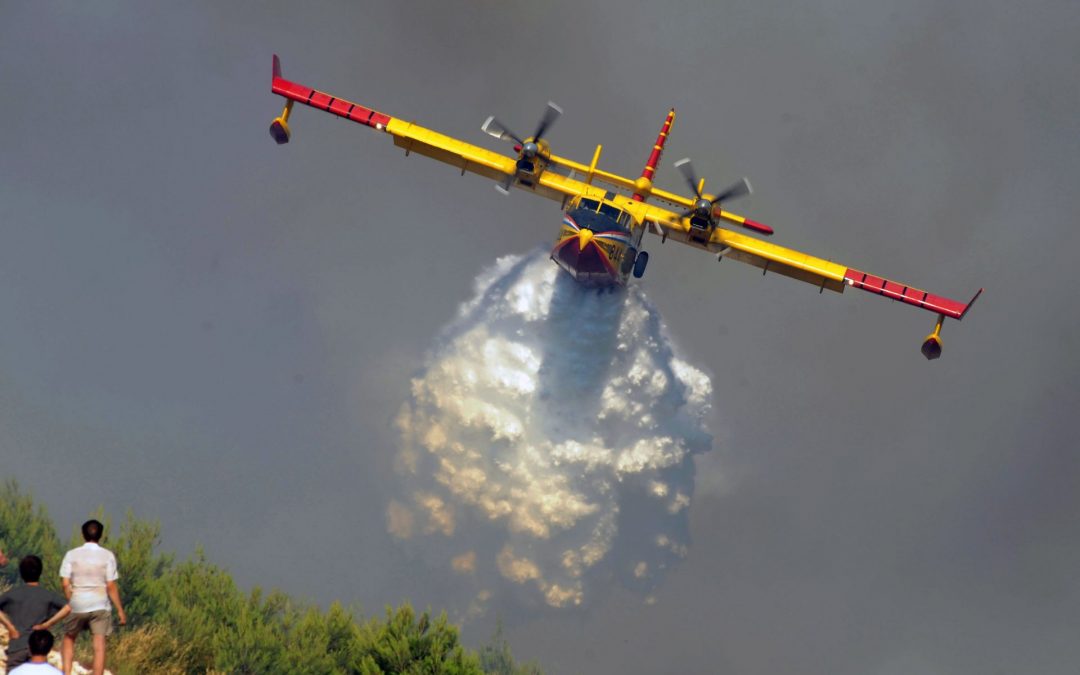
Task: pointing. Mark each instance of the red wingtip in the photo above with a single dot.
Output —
(277, 67)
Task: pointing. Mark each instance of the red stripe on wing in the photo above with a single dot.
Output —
(912, 296)
(337, 106)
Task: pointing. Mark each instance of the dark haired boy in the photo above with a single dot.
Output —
(29, 605)
(41, 643)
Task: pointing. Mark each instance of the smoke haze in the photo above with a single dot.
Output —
(218, 332)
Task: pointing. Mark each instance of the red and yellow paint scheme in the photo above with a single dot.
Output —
(606, 215)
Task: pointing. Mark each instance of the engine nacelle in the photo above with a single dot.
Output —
(931, 346)
(279, 130)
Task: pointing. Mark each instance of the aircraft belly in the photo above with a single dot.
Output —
(589, 265)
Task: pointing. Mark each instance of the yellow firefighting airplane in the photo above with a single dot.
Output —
(606, 216)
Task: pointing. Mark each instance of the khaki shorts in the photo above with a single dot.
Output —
(99, 623)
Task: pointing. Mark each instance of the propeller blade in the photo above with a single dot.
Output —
(687, 168)
(494, 127)
(740, 188)
(504, 187)
(551, 113)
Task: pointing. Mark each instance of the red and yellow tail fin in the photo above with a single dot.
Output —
(643, 185)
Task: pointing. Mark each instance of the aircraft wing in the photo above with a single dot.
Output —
(407, 135)
(464, 156)
(669, 200)
(822, 273)
(621, 184)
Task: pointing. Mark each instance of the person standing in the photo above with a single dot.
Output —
(89, 576)
(29, 605)
(41, 642)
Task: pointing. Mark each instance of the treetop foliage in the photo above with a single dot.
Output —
(191, 617)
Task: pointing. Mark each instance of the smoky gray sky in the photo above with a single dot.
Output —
(216, 332)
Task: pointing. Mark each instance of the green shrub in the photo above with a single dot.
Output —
(190, 616)
(26, 530)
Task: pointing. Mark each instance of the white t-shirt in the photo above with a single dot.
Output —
(88, 568)
(35, 669)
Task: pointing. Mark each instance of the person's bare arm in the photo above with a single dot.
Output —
(13, 632)
(114, 595)
(67, 587)
(54, 619)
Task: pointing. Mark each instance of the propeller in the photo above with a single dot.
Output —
(705, 207)
(494, 127)
(551, 113)
(529, 148)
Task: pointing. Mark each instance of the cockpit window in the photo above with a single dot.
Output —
(589, 204)
(610, 211)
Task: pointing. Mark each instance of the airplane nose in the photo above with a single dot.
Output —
(584, 236)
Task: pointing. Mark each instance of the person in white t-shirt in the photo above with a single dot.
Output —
(41, 643)
(89, 577)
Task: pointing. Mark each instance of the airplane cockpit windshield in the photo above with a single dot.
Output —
(618, 215)
(611, 211)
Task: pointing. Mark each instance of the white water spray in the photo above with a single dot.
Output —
(547, 443)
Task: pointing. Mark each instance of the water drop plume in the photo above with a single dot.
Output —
(546, 446)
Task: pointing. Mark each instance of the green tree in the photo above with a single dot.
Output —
(201, 601)
(190, 616)
(253, 642)
(25, 530)
(404, 643)
(143, 569)
(496, 658)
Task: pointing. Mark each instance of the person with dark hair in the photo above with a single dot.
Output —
(41, 643)
(29, 605)
(89, 577)
(92, 530)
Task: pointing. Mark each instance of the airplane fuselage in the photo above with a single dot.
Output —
(598, 243)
